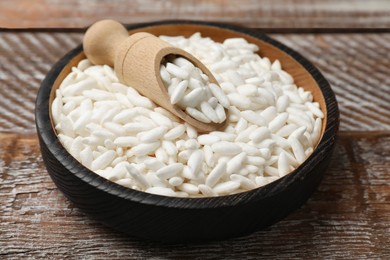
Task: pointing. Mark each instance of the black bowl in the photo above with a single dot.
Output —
(173, 219)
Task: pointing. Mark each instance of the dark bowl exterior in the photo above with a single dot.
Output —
(171, 219)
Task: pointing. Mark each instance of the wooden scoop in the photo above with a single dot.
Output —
(136, 60)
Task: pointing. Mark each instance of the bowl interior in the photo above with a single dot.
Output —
(302, 77)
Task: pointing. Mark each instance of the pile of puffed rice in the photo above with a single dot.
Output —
(273, 125)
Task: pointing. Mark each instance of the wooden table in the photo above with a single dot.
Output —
(348, 216)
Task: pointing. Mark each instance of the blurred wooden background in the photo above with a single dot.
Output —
(347, 217)
(252, 13)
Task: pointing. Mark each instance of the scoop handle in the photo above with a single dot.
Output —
(101, 41)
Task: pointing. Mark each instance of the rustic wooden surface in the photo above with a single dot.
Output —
(253, 13)
(349, 215)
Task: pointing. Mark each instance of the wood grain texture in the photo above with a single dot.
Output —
(356, 65)
(253, 13)
(348, 217)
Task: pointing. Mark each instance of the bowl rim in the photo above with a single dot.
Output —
(50, 140)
